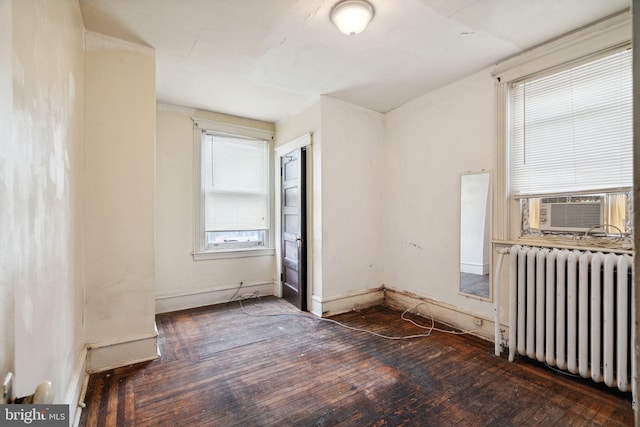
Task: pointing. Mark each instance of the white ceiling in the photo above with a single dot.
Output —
(267, 59)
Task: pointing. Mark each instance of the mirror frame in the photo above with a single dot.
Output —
(489, 235)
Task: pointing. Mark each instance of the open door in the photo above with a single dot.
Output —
(294, 226)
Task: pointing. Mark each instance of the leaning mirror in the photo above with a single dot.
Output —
(474, 234)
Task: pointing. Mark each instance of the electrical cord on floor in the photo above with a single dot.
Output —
(430, 328)
(236, 294)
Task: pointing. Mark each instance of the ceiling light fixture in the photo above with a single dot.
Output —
(352, 16)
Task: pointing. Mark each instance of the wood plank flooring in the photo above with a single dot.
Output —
(222, 367)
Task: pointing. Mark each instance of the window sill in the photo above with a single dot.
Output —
(232, 253)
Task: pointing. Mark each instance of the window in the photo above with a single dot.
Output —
(572, 130)
(570, 147)
(233, 199)
(236, 191)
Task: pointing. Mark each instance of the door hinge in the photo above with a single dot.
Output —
(282, 277)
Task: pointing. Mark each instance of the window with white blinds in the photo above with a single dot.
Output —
(571, 130)
(235, 180)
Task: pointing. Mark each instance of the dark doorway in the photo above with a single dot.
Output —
(294, 226)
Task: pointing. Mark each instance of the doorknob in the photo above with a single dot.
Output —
(299, 241)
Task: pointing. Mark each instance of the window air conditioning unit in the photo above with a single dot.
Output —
(572, 216)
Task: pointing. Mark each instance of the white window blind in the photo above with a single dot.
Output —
(572, 130)
(236, 184)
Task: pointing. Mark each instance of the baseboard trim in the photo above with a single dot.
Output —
(114, 354)
(81, 400)
(277, 288)
(447, 314)
(356, 300)
(186, 300)
(76, 385)
(471, 268)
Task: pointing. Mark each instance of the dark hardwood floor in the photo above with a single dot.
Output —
(222, 367)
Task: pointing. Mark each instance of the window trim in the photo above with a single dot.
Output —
(200, 250)
(604, 35)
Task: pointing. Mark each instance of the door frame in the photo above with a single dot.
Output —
(280, 151)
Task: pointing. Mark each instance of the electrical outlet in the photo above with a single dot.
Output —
(7, 388)
(477, 321)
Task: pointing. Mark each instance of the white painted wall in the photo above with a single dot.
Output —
(41, 174)
(181, 281)
(120, 197)
(429, 142)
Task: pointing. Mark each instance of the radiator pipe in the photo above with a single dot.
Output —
(514, 278)
(496, 299)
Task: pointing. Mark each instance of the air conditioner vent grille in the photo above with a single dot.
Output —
(575, 215)
(571, 216)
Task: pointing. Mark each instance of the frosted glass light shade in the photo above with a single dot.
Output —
(352, 16)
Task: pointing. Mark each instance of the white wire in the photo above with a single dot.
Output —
(604, 243)
(353, 328)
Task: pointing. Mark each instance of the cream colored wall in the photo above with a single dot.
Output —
(41, 175)
(353, 174)
(429, 142)
(7, 145)
(387, 199)
(306, 121)
(181, 281)
(345, 261)
(120, 197)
